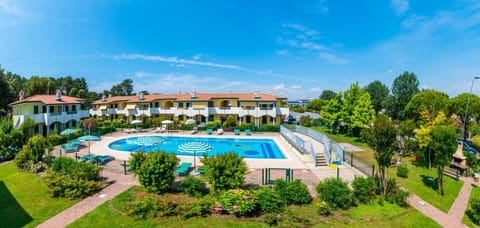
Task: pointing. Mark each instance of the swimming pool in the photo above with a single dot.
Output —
(247, 148)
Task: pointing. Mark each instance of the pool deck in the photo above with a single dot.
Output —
(293, 158)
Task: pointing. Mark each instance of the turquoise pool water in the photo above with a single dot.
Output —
(247, 148)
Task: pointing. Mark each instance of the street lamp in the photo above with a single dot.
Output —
(464, 130)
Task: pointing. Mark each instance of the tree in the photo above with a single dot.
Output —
(156, 171)
(382, 138)
(230, 121)
(431, 100)
(36, 148)
(316, 105)
(225, 171)
(90, 124)
(357, 108)
(28, 128)
(404, 87)
(456, 107)
(125, 88)
(443, 143)
(423, 135)
(378, 92)
(332, 112)
(327, 95)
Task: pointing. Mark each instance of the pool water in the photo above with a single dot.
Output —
(247, 148)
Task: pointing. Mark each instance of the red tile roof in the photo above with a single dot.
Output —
(50, 99)
(188, 97)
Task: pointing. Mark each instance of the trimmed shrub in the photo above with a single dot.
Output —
(192, 186)
(269, 200)
(156, 171)
(323, 208)
(238, 202)
(395, 194)
(196, 208)
(143, 209)
(294, 192)
(336, 193)
(474, 211)
(81, 170)
(60, 185)
(225, 171)
(402, 170)
(364, 189)
(136, 160)
(54, 139)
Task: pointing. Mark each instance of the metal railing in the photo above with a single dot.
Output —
(333, 151)
(299, 143)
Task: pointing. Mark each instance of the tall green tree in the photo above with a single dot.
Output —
(327, 95)
(357, 108)
(443, 143)
(125, 88)
(333, 112)
(378, 92)
(382, 138)
(404, 87)
(315, 105)
(28, 128)
(431, 100)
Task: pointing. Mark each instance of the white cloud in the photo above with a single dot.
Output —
(279, 87)
(315, 90)
(197, 57)
(175, 60)
(282, 52)
(400, 6)
(331, 58)
(295, 87)
(9, 7)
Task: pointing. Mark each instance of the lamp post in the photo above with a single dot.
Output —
(464, 130)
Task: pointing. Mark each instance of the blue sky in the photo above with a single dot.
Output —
(295, 48)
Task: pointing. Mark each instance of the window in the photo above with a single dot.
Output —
(35, 109)
(180, 117)
(44, 109)
(211, 118)
(157, 104)
(74, 108)
(189, 104)
(211, 104)
(248, 119)
(180, 104)
(264, 119)
(51, 109)
(36, 129)
(66, 108)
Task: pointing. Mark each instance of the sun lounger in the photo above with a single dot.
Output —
(160, 129)
(194, 130)
(126, 130)
(209, 131)
(183, 169)
(88, 157)
(69, 147)
(248, 132)
(104, 158)
(219, 131)
(133, 130)
(236, 132)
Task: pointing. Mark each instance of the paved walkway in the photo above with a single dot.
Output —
(455, 215)
(73, 213)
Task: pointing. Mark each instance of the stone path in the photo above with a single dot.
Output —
(73, 213)
(455, 215)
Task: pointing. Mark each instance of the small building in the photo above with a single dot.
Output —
(51, 113)
(298, 103)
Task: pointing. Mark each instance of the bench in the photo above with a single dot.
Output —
(450, 172)
(183, 169)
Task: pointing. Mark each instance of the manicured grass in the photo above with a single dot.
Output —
(466, 220)
(388, 215)
(24, 199)
(111, 214)
(422, 182)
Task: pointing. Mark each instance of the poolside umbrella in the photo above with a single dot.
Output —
(149, 141)
(75, 142)
(190, 121)
(136, 122)
(167, 122)
(89, 138)
(194, 147)
(68, 131)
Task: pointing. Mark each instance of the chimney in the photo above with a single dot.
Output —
(256, 95)
(58, 96)
(21, 95)
(194, 95)
(109, 95)
(104, 98)
(140, 96)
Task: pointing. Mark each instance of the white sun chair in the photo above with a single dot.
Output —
(194, 130)
(126, 130)
(219, 131)
(133, 130)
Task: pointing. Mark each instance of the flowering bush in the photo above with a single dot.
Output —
(238, 202)
(198, 207)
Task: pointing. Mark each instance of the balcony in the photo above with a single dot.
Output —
(62, 117)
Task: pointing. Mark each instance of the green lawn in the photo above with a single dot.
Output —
(418, 181)
(24, 200)
(466, 220)
(422, 182)
(111, 214)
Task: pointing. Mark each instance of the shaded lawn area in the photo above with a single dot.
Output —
(423, 182)
(111, 214)
(466, 220)
(418, 180)
(24, 199)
